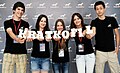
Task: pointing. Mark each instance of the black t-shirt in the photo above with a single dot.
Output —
(87, 45)
(37, 48)
(104, 33)
(11, 47)
(55, 56)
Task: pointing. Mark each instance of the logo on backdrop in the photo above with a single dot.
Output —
(29, 5)
(1, 40)
(42, 5)
(91, 5)
(55, 5)
(68, 5)
(2, 28)
(119, 26)
(50, 16)
(1, 51)
(88, 16)
(35, 16)
(113, 15)
(62, 16)
(117, 5)
(24, 17)
(107, 5)
(12, 6)
(9, 17)
(68, 27)
(2, 5)
(80, 5)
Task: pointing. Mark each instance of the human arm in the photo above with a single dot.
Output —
(13, 36)
(117, 37)
(90, 36)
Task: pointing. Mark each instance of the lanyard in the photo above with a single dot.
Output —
(80, 38)
(16, 28)
(60, 43)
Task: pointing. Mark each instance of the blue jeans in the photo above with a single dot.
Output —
(57, 67)
(38, 64)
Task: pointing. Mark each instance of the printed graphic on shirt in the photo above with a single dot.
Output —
(109, 25)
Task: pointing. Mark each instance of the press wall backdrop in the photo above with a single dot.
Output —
(55, 9)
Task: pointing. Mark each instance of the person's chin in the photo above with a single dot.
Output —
(19, 16)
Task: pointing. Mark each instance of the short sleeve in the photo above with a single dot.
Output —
(92, 23)
(114, 23)
(27, 25)
(6, 25)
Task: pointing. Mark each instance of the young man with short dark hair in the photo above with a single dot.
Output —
(105, 27)
(15, 48)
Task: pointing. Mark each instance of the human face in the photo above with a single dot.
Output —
(42, 23)
(100, 10)
(18, 12)
(59, 26)
(77, 21)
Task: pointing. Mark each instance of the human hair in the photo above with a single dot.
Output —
(61, 43)
(72, 20)
(39, 19)
(60, 20)
(19, 4)
(99, 3)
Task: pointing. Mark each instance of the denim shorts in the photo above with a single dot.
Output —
(38, 64)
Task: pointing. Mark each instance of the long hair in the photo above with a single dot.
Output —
(39, 19)
(61, 42)
(60, 20)
(72, 20)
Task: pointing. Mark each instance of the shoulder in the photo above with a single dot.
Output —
(23, 21)
(8, 21)
(96, 19)
(110, 18)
